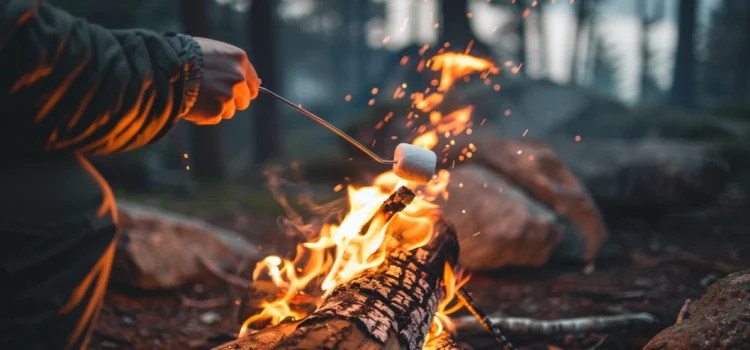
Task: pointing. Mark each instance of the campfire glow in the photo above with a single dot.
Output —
(342, 251)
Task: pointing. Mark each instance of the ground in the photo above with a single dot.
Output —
(643, 270)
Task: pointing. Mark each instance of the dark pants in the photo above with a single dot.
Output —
(53, 278)
(53, 274)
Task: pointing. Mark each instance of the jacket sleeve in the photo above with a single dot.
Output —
(67, 85)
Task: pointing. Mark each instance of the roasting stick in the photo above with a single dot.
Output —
(330, 126)
(466, 299)
(411, 163)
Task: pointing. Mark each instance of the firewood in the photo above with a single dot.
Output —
(265, 291)
(395, 203)
(391, 307)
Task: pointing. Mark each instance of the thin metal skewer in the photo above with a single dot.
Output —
(330, 126)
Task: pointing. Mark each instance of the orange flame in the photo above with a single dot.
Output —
(340, 252)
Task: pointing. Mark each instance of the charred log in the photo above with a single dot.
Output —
(391, 307)
(264, 291)
(395, 203)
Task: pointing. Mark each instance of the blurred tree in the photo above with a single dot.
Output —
(267, 119)
(541, 39)
(604, 68)
(742, 78)
(456, 28)
(207, 156)
(583, 18)
(648, 87)
(520, 9)
(683, 91)
(723, 69)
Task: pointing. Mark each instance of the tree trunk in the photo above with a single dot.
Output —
(642, 11)
(743, 69)
(207, 158)
(541, 40)
(521, 56)
(683, 92)
(456, 25)
(267, 119)
(582, 15)
(456, 28)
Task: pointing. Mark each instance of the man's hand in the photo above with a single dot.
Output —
(228, 83)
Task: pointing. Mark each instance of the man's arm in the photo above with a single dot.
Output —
(67, 85)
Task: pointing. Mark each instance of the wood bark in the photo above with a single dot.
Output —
(391, 307)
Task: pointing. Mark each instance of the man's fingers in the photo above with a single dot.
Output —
(251, 77)
(241, 96)
(229, 110)
(203, 120)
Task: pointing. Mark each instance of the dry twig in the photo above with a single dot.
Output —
(233, 280)
(529, 326)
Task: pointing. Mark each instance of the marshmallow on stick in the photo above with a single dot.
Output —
(414, 163)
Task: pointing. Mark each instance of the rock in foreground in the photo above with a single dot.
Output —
(158, 251)
(720, 319)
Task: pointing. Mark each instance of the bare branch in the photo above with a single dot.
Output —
(529, 326)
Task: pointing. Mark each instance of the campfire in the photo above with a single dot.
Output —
(389, 265)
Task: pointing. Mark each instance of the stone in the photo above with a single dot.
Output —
(158, 250)
(497, 223)
(535, 168)
(719, 320)
(646, 174)
(210, 317)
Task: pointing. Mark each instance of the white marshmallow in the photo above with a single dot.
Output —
(414, 163)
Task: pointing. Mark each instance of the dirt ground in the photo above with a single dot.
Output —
(642, 270)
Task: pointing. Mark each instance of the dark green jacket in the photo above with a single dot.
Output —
(70, 88)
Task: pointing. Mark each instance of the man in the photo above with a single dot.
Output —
(69, 88)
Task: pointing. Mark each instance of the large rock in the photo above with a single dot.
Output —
(497, 223)
(646, 174)
(535, 168)
(719, 320)
(160, 250)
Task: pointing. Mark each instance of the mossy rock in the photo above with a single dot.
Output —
(601, 121)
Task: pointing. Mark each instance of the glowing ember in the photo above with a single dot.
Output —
(340, 252)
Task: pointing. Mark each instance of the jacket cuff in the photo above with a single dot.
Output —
(191, 55)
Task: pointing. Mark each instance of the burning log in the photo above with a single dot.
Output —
(260, 292)
(395, 203)
(391, 307)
